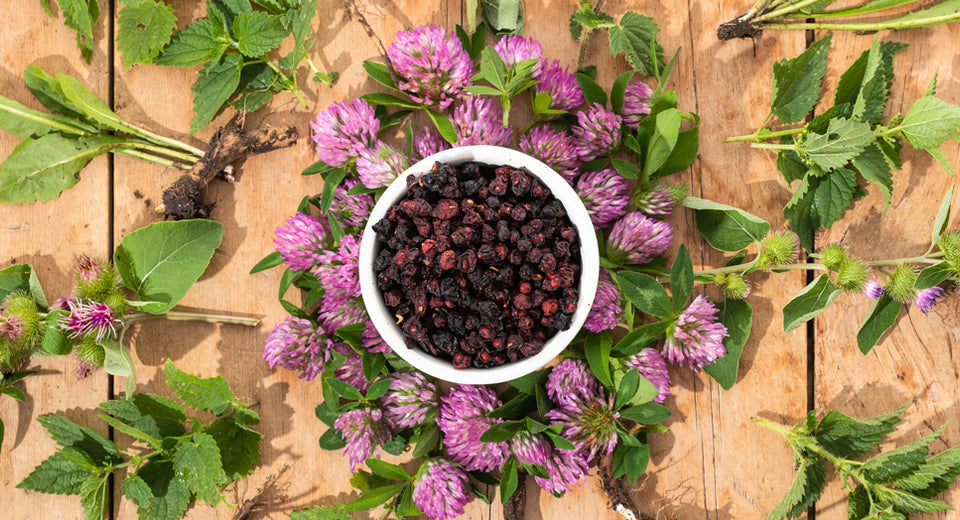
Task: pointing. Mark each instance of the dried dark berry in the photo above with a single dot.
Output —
(446, 209)
(448, 259)
(467, 261)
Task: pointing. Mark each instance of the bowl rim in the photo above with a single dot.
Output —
(383, 320)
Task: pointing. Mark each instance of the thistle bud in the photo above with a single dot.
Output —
(22, 315)
(95, 280)
(732, 285)
(11, 358)
(833, 256)
(950, 245)
(853, 275)
(778, 249)
(900, 287)
(89, 352)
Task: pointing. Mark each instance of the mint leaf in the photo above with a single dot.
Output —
(850, 438)
(257, 33)
(724, 227)
(197, 462)
(737, 316)
(200, 41)
(93, 497)
(239, 447)
(157, 491)
(217, 82)
(843, 140)
(833, 195)
(806, 488)
(212, 393)
(882, 315)
(796, 82)
(143, 29)
(57, 475)
(163, 260)
(634, 36)
(809, 302)
(896, 463)
(153, 414)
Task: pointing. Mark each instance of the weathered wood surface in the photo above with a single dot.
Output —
(714, 464)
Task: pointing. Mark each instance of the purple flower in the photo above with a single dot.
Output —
(432, 67)
(636, 104)
(479, 120)
(514, 49)
(598, 132)
(605, 194)
(351, 371)
(567, 468)
(88, 269)
(92, 319)
(696, 337)
(441, 489)
(463, 420)
(363, 430)
(637, 239)
(653, 367)
(352, 210)
(565, 92)
(428, 143)
(373, 341)
(590, 424)
(379, 165)
(339, 310)
(605, 313)
(658, 201)
(84, 369)
(927, 298)
(300, 242)
(296, 344)
(530, 448)
(555, 148)
(873, 289)
(344, 130)
(338, 270)
(11, 327)
(571, 380)
(410, 401)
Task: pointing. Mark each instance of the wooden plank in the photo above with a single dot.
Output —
(49, 236)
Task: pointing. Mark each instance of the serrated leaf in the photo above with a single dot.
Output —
(934, 476)
(645, 292)
(800, 210)
(896, 463)
(57, 475)
(197, 463)
(69, 434)
(881, 316)
(157, 491)
(806, 488)
(257, 33)
(737, 316)
(93, 497)
(239, 447)
(212, 393)
(843, 140)
(217, 82)
(201, 41)
(143, 29)
(930, 122)
(809, 302)
(153, 414)
(634, 36)
(850, 438)
(126, 429)
(906, 502)
(724, 227)
(796, 82)
(163, 260)
(81, 16)
(833, 195)
(873, 166)
(297, 21)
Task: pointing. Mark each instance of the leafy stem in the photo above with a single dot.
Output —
(190, 316)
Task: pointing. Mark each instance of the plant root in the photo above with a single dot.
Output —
(185, 198)
(515, 508)
(257, 501)
(740, 27)
(617, 492)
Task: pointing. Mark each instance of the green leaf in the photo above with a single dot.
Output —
(344, 389)
(502, 15)
(143, 29)
(806, 488)
(681, 278)
(874, 82)
(239, 447)
(934, 476)
(197, 462)
(13, 278)
(81, 16)
(943, 216)
(46, 88)
(41, 168)
(800, 209)
(93, 497)
(68, 434)
(618, 89)
(933, 275)
(646, 413)
(387, 470)
(737, 316)
(257, 33)
(833, 195)
(320, 513)
(502, 432)
(626, 169)
(843, 140)
(153, 414)
(684, 151)
(597, 350)
(873, 166)
(635, 36)
(268, 262)
(375, 497)
(796, 82)
(157, 491)
(444, 126)
(57, 475)
(163, 260)
(126, 429)
(201, 41)
(15, 393)
(429, 438)
(378, 389)
(298, 21)
(330, 183)
(626, 388)
(645, 292)
(906, 502)
(631, 461)
(212, 393)
(666, 132)
(890, 465)
(118, 362)
(592, 92)
(55, 339)
(25, 122)
(881, 316)
(380, 73)
(379, 98)
(509, 480)
(96, 110)
(724, 227)
(528, 383)
(930, 122)
(850, 438)
(809, 302)
(640, 338)
(217, 82)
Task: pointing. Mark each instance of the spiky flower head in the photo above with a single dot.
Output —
(441, 489)
(732, 285)
(571, 380)
(89, 353)
(590, 424)
(562, 86)
(530, 448)
(428, 143)
(351, 370)
(658, 200)
(853, 275)
(363, 430)
(94, 279)
(300, 242)
(338, 271)
(695, 338)
(352, 210)
(833, 256)
(778, 248)
(554, 147)
(431, 65)
(343, 130)
(900, 285)
(296, 344)
(89, 318)
(949, 243)
(606, 309)
(11, 357)
(638, 239)
(23, 316)
(372, 341)
(567, 468)
(479, 120)
(378, 165)
(651, 365)
(516, 48)
(872, 289)
(410, 401)
(463, 420)
(927, 298)
(598, 132)
(605, 194)
(339, 310)
(636, 103)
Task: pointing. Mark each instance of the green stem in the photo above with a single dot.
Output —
(152, 158)
(763, 136)
(190, 316)
(187, 158)
(472, 6)
(295, 90)
(933, 258)
(786, 10)
(867, 26)
(771, 146)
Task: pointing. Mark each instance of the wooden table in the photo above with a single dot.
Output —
(714, 464)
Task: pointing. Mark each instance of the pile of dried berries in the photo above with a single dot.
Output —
(479, 264)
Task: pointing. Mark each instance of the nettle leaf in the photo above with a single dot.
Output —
(201, 41)
(800, 209)
(873, 166)
(217, 82)
(906, 502)
(163, 260)
(81, 16)
(69, 434)
(239, 447)
(157, 491)
(93, 497)
(833, 195)
(57, 475)
(796, 82)
(930, 122)
(724, 227)
(197, 462)
(737, 316)
(806, 488)
(934, 476)
(258, 33)
(212, 393)
(809, 302)
(154, 415)
(896, 463)
(843, 140)
(634, 36)
(881, 316)
(850, 438)
(143, 29)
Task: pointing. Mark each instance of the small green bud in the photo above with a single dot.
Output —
(853, 275)
(11, 357)
(732, 285)
(950, 245)
(778, 249)
(90, 353)
(900, 286)
(833, 256)
(118, 303)
(95, 280)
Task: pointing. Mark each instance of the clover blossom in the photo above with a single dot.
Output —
(352, 210)
(379, 165)
(530, 448)
(338, 271)
(562, 86)
(516, 48)
(605, 194)
(598, 132)
(431, 66)
(567, 468)
(410, 401)
(300, 242)
(339, 309)
(428, 142)
(463, 420)
(651, 365)
(351, 371)
(372, 341)
(636, 104)
(571, 380)
(363, 430)
(606, 309)
(927, 298)
(554, 147)
(659, 200)
(637, 239)
(478, 120)
(297, 344)
(695, 339)
(344, 130)
(590, 424)
(441, 489)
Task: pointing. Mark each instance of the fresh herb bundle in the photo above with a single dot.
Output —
(183, 459)
(892, 485)
(850, 137)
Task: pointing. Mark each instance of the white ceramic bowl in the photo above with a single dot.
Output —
(385, 321)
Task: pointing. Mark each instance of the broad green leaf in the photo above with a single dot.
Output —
(789, 164)
(631, 461)
(618, 89)
(833, 194)
(330, 183)
(13, 278)
(592, 92)
(640, 338)
(684, 151)
(645, 292)
(197, 462)
(93, 497)
(681, 278)
(881, 316)
(143, 29)
(55, 339)
(846, 437)
(25, 122)
(796, 82)
(69, 434)
(933, 275)
(46, 88)
(800, 210)
(509, 480)
(163, 260)
(737, 316)
(201, 41)
(380, 73)
(126, 429)
(492, 69)
(444, 126)
(81, 16)
(212, 393)
(375, 497)
(806, 488)
(387, 470)
(379, 98)
(57, 475)
(874, 167)
(854, 86)
(117, 361)
(843, 140)
(906, 502)
(896, 463)
(626, 169)
(217, 82)
(15, 393)
(665, 135)
(597, 349)
(344, 389)
(41, 168)
(943, 216)
(809, 302)
(157, 491)
(320, 513)
(724, 227)
(153, 414)
(239, 447)
(96, 109)
(634, 36)
(502, 15)
(626, 388)
(647, 413)
(378, 389)
(429, 438)
(930, 122)
(257, 33)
